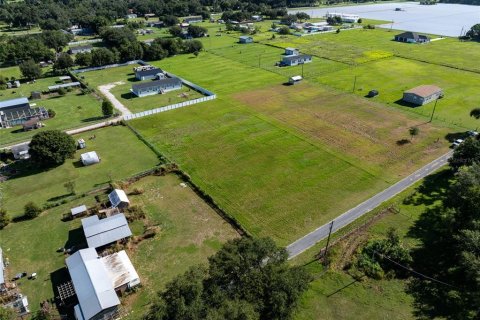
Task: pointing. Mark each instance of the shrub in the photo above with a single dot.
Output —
(135, 212)
(62, 91)
(31, 210)
(51, 113)
(4, 218)
(137, 191)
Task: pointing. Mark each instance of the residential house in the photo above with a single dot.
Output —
(96, 281)
(411, 37)
(193, 19)
(295, 60)
(156, 87)
(245, 39)
(17, 111)
(422, 95)
(118, 199)
(102, 232)
(89, 158)
(20, 151)
(80, 49)
(149, 74)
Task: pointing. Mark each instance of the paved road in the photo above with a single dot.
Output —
(351, 215)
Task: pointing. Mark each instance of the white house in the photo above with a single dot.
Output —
(156, 87)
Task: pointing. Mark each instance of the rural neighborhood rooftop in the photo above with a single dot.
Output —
(100, 232)
(424, 90)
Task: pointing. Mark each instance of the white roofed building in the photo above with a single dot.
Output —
(89, 158)
(101, 232)
(118, 199)
(96, 282)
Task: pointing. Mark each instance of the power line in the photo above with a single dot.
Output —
(415, 272)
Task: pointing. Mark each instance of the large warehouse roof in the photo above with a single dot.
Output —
(92, 284)
(100, 232)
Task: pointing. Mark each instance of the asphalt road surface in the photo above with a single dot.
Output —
(351, 215)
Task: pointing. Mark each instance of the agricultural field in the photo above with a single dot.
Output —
(46, 187)
(364, 45)
(286, 154)
(460, 94)
(337, 295)
(189, 232)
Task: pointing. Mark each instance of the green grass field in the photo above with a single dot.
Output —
(114, 145)
(278, 159)
(189, 232)
(335, 294)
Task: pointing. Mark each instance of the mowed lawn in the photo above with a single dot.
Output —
(274, 177)
(74, 109)
(189, 231)
(121, 153)
(362, 45)
(391, 77)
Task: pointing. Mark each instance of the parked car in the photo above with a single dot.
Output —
(372, 93)
(457, 142)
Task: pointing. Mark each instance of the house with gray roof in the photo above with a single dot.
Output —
(294, 60)
(411, 37)
(101, 232)
(156, 87)
(245, 39)
(149, 74)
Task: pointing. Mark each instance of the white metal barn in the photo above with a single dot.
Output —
(89, 158)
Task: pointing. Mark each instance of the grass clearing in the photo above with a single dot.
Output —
(115, 146)
(270, 157)
(403, 74)
(335, 294)
(190, 231)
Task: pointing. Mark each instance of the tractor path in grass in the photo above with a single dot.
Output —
(351, 215)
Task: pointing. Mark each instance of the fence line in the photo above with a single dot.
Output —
(115, 65)
(167, 108)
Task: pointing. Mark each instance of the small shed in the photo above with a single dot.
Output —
(89, 158)
(16, 84)
(20, 152)
(65, 79)
(295, 79)
(118, 199)
(245, 39)
(81, 144)
(36, 95)
(78, 211)
(291, 52)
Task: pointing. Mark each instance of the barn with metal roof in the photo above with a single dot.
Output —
(100, 232)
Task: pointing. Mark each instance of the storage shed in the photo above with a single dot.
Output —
(78, 211)
(422, 95)
(89, 158)
(118, 199)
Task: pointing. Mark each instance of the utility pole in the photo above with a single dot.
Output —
(328, 240)
(302, 69)
(354, 84)
(433, 112)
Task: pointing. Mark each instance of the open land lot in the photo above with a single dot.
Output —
(115, 146)
(279, 159)
(74, 109)
(189, 232)
(444, 19)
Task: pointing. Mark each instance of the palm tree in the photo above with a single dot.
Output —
(475, 113)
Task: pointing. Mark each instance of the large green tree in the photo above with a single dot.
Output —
(30, 70)
(466, 153)
(247, 279)
(51, 147)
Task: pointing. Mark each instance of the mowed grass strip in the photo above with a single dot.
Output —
(121, 153)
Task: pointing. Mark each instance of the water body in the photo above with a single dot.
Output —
(441, 19)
